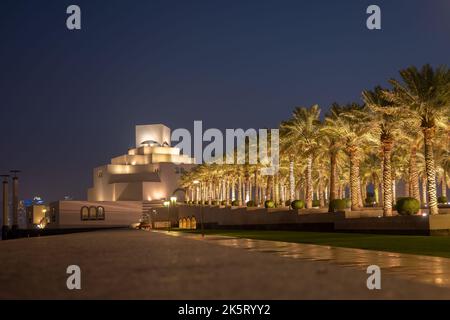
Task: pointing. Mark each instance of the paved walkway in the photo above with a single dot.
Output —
(132, 264)
(425, 269)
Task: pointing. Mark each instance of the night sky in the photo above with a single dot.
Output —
(70, 99)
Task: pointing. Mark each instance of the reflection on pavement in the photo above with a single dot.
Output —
(425, 269)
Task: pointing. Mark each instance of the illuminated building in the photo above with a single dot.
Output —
(129, 186)
(150, 171)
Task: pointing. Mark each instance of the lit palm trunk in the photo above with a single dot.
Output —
(354, 178)
(414, 176)
(387, 179)
(309, 183)
(431, 170)
(291, 181)
(424, 191)
(333, 185)
(444, 185)
(240, 191)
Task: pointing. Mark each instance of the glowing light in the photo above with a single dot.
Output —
(424, 214)
(166, 203)
(173, 199)
(195, 182)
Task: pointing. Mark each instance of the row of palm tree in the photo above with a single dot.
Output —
(397, 133)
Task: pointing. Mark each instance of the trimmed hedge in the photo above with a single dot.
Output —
(269, 204)
(348, 203)
(297, 204)
(407, 206)
(223, 203)
(235, 203)
(251, 203)
(338, 205)
(287, 203)
(316, 203)
(442, 200)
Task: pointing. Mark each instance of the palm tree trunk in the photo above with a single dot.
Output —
(424, 191)
(321, 197)
(431, 170)
(414, 176)
(354, 179)
(333, 184)
(309, 183)
(240, 190)
(277, 189)
(291, 181)
(269, 187)
(256, 188)
(443, 185)
(387, 178)
(406, 189)
(360, 193)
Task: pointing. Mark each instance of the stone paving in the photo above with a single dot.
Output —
(426, 269)
(131, 264)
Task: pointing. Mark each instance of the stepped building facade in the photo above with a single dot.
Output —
(131, 186)
(150, 171)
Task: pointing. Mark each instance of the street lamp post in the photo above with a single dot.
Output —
(173, 203)
(5, 227)
(15, 200)
(167, 204)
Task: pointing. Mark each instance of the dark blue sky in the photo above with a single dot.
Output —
(70, 100)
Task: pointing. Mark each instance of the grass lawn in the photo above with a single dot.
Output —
(423, 245)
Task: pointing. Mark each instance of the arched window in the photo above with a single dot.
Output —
(84, 213)
(193, 223)
(92, 213)
(100, 213)
(188, 223)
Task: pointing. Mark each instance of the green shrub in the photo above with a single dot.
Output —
(348, 203)
(287, 203)
(297, 204)
(223, 203)
(235, 203)
(407, 206)
(269, 204)
(316, 203)
(370, 200)
(206, 202)
(251, 203)
(442, 199)
(338, 205)
(214, 203)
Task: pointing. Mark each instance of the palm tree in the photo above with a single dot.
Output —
(386, 116)
(302, 130)
(288, 149)
(350, 123)
(332, 144)
(426, 94)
